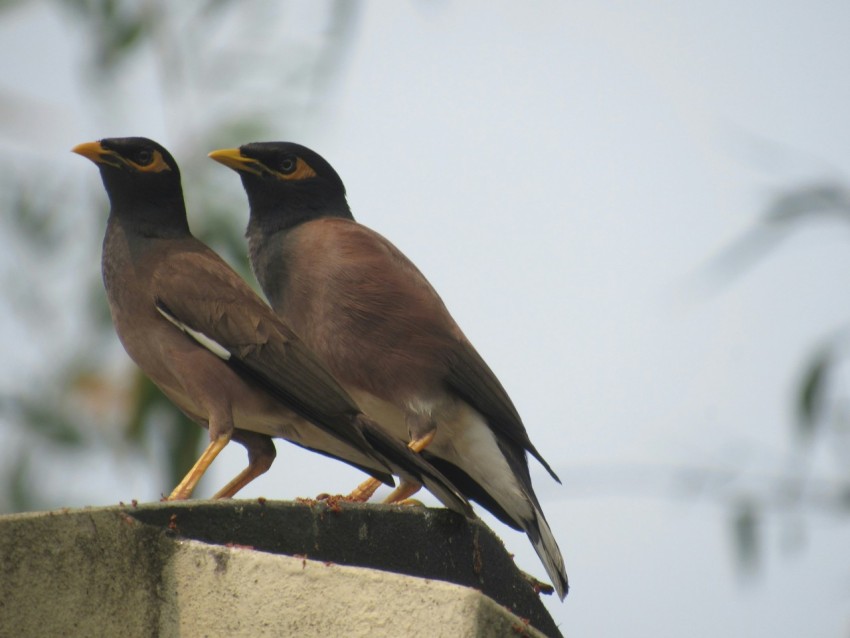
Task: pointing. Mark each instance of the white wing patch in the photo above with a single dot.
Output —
(213, 346)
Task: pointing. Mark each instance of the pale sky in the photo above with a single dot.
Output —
(561, 174)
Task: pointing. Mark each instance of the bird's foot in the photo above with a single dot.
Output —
(364, 491)
(403, 492)
(538, 586)
(410, 502)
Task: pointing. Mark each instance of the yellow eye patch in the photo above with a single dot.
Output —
(302, 171)
(156, 165)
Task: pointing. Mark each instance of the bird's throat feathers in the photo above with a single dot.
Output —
(153, 213)
(276, 208)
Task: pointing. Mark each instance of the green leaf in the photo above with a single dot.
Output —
(812, 392)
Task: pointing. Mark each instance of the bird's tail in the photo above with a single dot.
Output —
(408, 464)
(544, 544)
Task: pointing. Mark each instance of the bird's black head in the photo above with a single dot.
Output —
(286, 183)
(141, 179)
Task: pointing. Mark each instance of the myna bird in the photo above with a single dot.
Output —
(213, 346)
(366, 311)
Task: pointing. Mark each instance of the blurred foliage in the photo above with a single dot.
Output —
(745, 523)
(812, 391)
(116, 30)
(786, 212)
(258, 72)
(820, 390)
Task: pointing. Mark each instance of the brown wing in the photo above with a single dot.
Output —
(399, 333)
(473, 380)
(199, 290)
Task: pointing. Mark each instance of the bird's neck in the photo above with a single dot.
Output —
(157, 216)
(269, 230)
(273, 217)
(269, 225)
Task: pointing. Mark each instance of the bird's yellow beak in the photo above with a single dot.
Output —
(90, 150)
(233, 158)
(97, 154)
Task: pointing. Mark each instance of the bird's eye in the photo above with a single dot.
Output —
(287, 165)
(144, 157)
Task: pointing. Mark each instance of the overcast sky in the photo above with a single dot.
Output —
(562, 175)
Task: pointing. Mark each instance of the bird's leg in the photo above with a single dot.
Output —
(401, 495)
(261, 455)
(407, 488)
(364, 491)
(187, 485)
(367, 489)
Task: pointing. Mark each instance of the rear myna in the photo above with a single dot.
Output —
(215, 348)
(366, 311)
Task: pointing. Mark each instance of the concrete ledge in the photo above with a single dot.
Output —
(136, 571)
(299, 597)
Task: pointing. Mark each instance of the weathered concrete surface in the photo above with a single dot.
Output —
(81, 573)
(126, 571)
(299, 597)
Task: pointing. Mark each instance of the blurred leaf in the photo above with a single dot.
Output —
(790, 205)
(32, 205)
(9, 4)
(237, 131)
(184, 447)
(152, 409)
(812, 393)
(97, 309)
(45, 417)
(211, 7)
(230, 245)
(145, 398)
(745, 522)
(844, 497)
(21, 497)
(116, 28)
(805, 201)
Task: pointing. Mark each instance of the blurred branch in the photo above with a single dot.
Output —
(783, 214)
(794, 490)
(746, 514)
(722, 485)
(753, 501)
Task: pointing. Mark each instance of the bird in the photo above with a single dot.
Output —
(213, 346)
(383, 331)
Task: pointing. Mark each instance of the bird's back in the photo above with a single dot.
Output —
(360, 304)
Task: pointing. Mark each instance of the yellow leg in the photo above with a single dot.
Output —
(187, 485)
(402, 492)
(366, 489)
(247, 475)
(261, 455)
(407, 489)
(417, 445)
